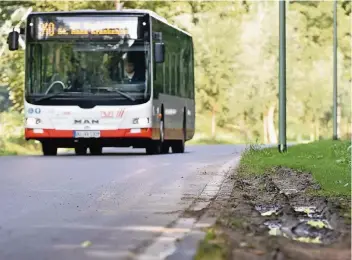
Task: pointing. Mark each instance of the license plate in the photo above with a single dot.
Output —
(87, 134)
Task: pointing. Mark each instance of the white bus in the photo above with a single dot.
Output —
(99, 79)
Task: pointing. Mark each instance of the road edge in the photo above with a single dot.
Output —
(180, 240)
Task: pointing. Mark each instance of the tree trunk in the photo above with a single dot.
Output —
(271, 126)
(118, 5)
(265, 128)
(299, 138)
(213, 124)
(317, 131)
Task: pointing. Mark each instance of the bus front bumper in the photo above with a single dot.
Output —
(38, 133)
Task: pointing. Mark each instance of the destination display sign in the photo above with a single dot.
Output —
(54, 27)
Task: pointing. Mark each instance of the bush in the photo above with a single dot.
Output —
(12, 135)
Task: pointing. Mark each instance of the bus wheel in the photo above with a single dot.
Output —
(81, 150)
(159, 146)
(96, 150)
(162, 130)
(49, 149)
(165, 147)
(154, 147)
(179, 145)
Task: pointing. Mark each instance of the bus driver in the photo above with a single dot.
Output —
(131, 74)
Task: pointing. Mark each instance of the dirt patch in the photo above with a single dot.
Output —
(194, 213)
(275, 216)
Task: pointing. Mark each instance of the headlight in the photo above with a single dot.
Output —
(141, 121)
(33, 121)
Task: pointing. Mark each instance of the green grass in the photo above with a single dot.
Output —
(328, 161)
(211, 247)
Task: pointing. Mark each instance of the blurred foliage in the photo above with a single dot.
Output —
(11, 135)
(236, 59)
(4, 99)
(11, 125)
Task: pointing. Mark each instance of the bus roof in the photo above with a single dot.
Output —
(123, 11)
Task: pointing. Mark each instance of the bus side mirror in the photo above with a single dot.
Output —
(12, 40)
(159, 52)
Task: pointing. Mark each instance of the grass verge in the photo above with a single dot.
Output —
(328, 161)
(212, 247)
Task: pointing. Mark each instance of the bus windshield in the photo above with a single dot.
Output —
(86, 69)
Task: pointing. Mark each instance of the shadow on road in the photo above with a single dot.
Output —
(102, 155)
(105, 154)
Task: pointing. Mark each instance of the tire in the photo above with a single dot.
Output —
(161, 130)
(165, 147)
(96, 150)
(49, 149)
(81, 150)
(153, 148)
(159, 146)
(179, 145)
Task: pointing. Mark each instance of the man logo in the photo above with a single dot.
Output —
(86, 122)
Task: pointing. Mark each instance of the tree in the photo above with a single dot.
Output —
(236, 61)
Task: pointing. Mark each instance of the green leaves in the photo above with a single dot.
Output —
(236, 59)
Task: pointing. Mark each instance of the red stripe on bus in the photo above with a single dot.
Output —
(53, 133)
(170, 133)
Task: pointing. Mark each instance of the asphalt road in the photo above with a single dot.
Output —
(118, 202)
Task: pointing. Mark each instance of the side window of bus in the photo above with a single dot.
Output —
(170, 74)
(175, 71)
(179, 76)
(188, 78)
(187, 73)
(182, 84)
(176, 81)
(157, 74)
(159, 80)
(191, 85)
(166, 74)
(164, 77)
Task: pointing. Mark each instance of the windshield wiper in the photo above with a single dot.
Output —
(67, 94)
(50, 96)
(124, 94)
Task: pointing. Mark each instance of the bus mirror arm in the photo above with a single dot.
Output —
(12, 40)
(159, 52)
